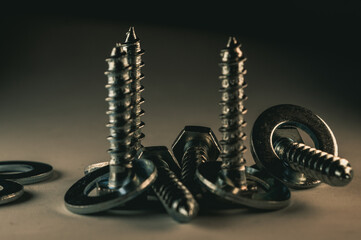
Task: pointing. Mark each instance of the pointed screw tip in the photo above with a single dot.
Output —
(232, 42)
(131, 36)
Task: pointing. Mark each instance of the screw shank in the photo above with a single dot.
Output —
(314, 163)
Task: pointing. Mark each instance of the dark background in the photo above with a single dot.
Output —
(328, 31)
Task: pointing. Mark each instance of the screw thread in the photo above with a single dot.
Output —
(134, 54)
(119, 112)
(176, 198)
(314, 163)
(192, 158)
(233, 111)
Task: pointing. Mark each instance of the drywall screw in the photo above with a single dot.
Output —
(229, 179)
(194, 146)
(134, 54)
(175, 197)
(278, 148)
(126, 176)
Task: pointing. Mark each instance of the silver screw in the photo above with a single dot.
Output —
(134, 55)
(230, 179)
(233, 110)
(330, 169)
(175, 197)
(277, 147)
(194, 146)
(126, 176)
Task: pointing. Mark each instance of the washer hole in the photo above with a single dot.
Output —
(15, 169)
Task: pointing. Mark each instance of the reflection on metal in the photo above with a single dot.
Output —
(277, 148)
(126, 176)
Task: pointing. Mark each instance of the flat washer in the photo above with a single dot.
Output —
(10, 191)
(27, 172)
(293, 116)
(77, 198)
(271, 194)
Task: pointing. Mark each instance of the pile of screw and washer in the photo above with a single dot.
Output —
(201, 172)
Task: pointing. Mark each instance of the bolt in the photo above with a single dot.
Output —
(134, 55)
(194, 146)
(175, 197)
(230, 179)
(278, 148)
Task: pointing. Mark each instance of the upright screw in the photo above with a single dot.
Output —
(330, 169)
(134, 55)
(230, 179)
(277, 147)
(233, 110)
(175, 197)
(194, 146)
(120, 116)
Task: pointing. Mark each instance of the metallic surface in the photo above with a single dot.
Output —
(269, 193)
(25, 172)
(127, 175)
(77, 198)
(194, 146)
(10, 191)
(313, 163)
(175, 197)
(288, 116)
(134, 55)
(233, 110)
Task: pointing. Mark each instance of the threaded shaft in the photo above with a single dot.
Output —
(192, 158)
(176, 198)
(134, 54)
(314, 163)
(119, 112)
(233, 109)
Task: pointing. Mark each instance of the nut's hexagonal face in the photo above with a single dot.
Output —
(163, 153)
(194, 135)
(287, 132)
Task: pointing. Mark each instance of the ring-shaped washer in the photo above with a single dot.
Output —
(271, 194)
(26, 172)
(10, 191)
(294, 116)
(77, 198)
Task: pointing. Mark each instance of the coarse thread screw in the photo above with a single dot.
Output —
(175, 197)
(120, 116)
(314, 163)
(193, 146)
(134, 54)
(233, 109)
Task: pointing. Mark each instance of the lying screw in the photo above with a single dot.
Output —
(231, 180)
(175, 197)
(194, 146)
(277, 147)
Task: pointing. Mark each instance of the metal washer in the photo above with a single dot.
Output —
(77, 198)
(294, 116)
(26, 172)
(271, 194)
(10, 191)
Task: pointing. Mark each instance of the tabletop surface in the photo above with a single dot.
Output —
(53, 110)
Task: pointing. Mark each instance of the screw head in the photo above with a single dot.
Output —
(192, 135)
(278, 121)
